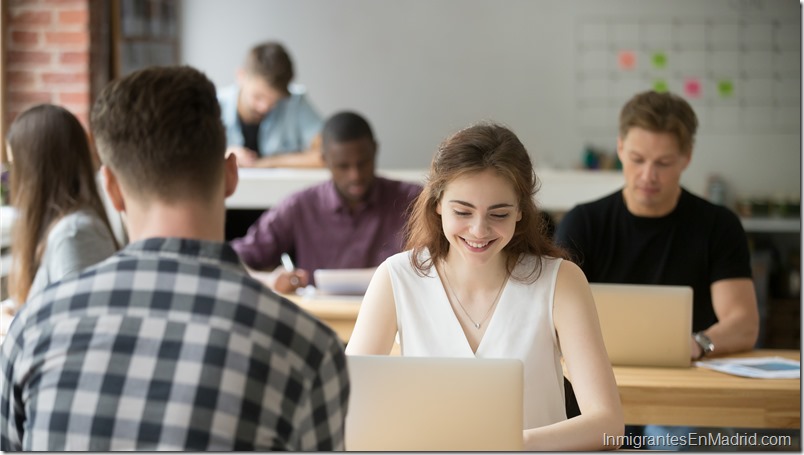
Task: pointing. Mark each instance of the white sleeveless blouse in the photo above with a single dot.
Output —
(521, 327)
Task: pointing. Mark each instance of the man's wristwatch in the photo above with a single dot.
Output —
(704, 342)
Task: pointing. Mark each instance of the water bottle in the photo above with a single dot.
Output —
(716, 190)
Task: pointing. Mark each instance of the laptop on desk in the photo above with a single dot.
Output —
(645, 325)
(343, 281)
(434, 404)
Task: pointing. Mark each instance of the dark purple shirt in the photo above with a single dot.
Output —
(316, 227)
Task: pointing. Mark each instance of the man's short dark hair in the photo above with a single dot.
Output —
(346, 126)
(160, 131)
(270, 62)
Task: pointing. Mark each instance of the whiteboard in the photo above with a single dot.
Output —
(555, 71)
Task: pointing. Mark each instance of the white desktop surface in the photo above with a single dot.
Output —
(7, 216)
(560, 189)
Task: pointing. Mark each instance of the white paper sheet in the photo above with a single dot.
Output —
(756, 367)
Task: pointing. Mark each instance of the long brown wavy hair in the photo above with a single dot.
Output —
(470, 151)
(52, 175)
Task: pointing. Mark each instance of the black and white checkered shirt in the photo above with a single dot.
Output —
(170, 345)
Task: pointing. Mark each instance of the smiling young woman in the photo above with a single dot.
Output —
(481, 278)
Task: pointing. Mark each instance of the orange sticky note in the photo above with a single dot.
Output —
(692, 87)
(626, 60)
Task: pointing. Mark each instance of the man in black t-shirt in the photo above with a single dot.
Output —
(654, 231)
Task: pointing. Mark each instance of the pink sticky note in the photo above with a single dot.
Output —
(626, 60)
(692, 87)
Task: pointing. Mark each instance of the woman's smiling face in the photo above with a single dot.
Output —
(479, 212)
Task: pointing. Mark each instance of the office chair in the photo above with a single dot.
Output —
(570, 402)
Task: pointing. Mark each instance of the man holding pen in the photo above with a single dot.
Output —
(354, 220)
(269, 121)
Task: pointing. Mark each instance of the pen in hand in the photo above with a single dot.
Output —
(287, 263)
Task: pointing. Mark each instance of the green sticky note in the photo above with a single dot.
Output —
(660, 86)
(725, 88)
(659, 60)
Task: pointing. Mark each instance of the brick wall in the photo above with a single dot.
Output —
(48, 56)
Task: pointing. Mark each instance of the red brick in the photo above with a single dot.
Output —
(29, 17)
(25, 38)
(66, 2)
(29, 97)
(81, 38)
(73, 107)
(18, 108)
(20, 77)
(78, 16)
(78, 58)
(65, 78)
(19, 3)
(28, 57)
(75, 98)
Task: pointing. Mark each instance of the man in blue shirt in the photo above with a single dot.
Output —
(268, 122)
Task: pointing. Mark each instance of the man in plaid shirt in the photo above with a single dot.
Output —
(169, 344)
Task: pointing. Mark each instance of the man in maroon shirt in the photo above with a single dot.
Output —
(354, 220)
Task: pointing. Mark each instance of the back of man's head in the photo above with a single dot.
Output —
(159, 130)
(270, 62)
(346, 127)
(661, 113)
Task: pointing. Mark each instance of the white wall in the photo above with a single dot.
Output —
(420, 69)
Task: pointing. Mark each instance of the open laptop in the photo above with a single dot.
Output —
(645, 325)
(343, 281)
(434, 404)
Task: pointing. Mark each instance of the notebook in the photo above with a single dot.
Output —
(645, 325)
(434, 404)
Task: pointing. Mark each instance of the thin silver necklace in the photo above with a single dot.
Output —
(493, 304)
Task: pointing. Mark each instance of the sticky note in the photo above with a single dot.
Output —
(659, 60)
(626, 60)
(725, 88)
(660, 86)
(692, 87)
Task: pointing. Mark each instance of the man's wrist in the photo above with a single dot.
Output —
(704, 343)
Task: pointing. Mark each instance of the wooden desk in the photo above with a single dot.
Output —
(702, 397)
(663, 396)
(338, 312)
